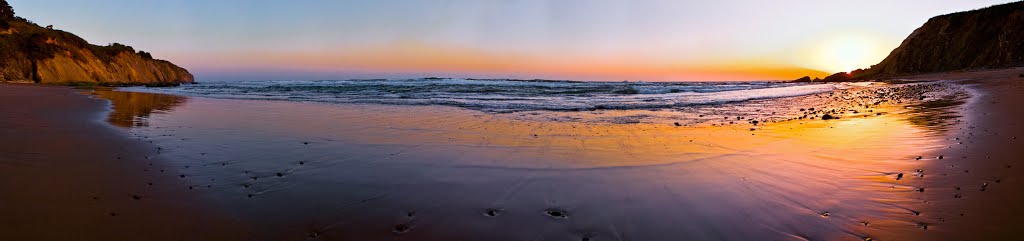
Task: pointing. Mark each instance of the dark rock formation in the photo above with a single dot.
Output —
(837, 77)
(988, 38)
(30, 53)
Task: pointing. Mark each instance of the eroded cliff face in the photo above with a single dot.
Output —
(30, 53)
(125, 68)
(988, 38)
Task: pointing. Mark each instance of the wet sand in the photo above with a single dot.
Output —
(309, 171)
(976, 191)
(67, 175)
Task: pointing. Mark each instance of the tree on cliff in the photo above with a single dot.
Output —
(6, 14)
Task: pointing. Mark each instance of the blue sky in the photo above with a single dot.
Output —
(567, 39)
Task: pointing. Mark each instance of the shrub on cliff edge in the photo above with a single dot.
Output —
(6, 14)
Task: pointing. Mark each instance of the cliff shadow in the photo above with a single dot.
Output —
(133, 109)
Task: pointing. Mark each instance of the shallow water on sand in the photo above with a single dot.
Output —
(363, 171)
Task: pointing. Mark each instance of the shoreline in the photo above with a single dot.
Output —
(974, 191)
(68, 175)
(913, 214)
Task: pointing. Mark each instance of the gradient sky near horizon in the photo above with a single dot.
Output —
(552, 39)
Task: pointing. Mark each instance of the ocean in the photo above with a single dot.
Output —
(501, 95)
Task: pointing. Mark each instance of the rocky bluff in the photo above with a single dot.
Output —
(31, 53)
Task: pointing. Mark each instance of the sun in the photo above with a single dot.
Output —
(846, 52)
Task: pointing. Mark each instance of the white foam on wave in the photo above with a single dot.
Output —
(502, 95)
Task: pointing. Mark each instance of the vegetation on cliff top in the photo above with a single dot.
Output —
(41, 43)
(6, 14)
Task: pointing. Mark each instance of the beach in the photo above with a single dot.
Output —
(934, 160)
(66, 174)
(974, 190)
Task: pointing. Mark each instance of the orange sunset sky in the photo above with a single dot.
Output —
(648, 40)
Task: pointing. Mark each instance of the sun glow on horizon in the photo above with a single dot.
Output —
(679, 40)
(846, 52)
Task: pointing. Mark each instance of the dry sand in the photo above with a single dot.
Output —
(67, 175)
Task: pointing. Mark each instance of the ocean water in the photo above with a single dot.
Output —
(502, 96)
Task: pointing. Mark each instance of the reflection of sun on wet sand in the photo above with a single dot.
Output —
(299, 169)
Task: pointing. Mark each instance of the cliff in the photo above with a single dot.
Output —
(29, 52)
(988, 38)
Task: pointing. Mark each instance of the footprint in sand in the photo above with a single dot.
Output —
(556, 213)
(491, 212)
(401, 228)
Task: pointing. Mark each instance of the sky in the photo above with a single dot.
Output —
(612, 40)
